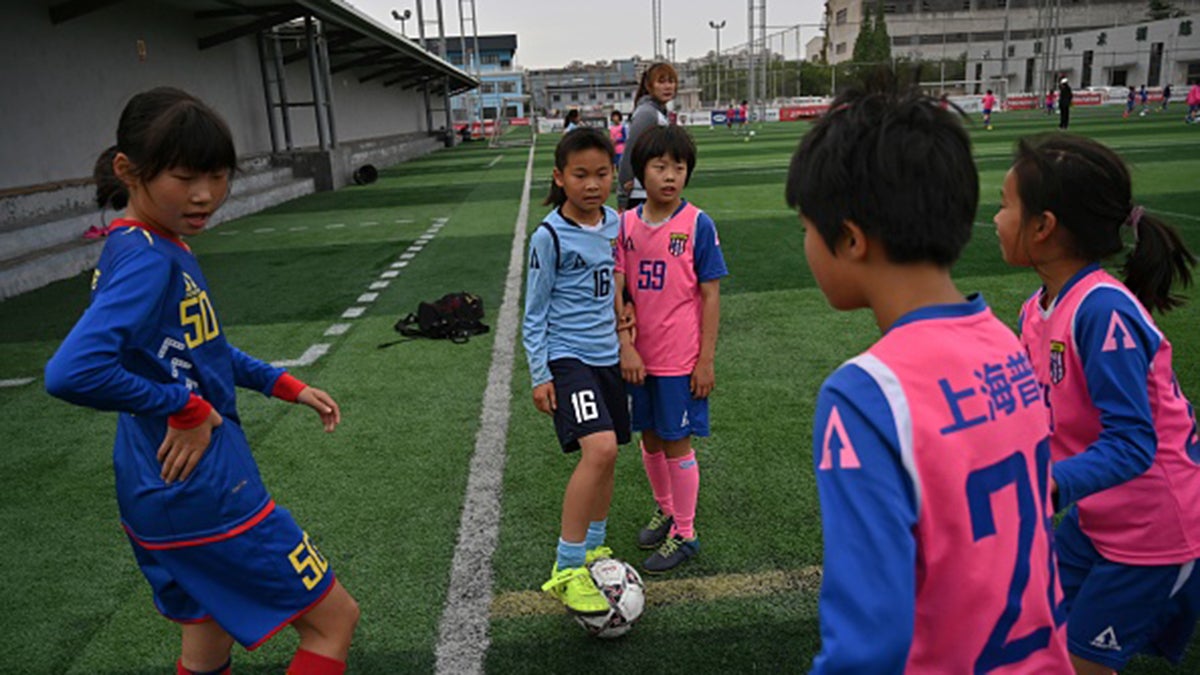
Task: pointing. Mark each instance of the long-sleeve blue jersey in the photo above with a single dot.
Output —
(569, 294)
(148, 341)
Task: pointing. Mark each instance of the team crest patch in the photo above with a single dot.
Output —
(1058, 364)
(678, 243)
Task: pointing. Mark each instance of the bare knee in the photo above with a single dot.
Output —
(328, 627)
(600, 450)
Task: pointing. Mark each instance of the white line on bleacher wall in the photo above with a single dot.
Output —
(308, 358)
(18, 382)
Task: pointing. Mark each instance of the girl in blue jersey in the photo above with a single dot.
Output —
(1123, 435)
(571, 344)
(223, 560)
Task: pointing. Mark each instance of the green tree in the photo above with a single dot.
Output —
(882, 42)
(864, 44)
(1163, 9)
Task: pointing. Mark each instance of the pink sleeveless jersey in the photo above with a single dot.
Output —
(989, 102)
(1107, 371)
(946, 403)
(617, 134)
(663, 274)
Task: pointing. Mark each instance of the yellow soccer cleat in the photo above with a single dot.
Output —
(574, 587)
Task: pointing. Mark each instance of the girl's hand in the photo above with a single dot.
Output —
(324, 404)
(182, 449)
(628, 318)
(703, 380)
(544, 398)
(632, 367)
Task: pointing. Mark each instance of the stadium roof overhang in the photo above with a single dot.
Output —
(353, 40)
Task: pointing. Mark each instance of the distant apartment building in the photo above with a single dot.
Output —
(595, 89)
(951, 29)
(502, 81)
(1153, 53)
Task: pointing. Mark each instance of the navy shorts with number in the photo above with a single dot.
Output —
(252, 584)
(590, 399)
(665, 405)
(1117, 610)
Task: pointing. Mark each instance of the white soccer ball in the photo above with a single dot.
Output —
(622, 585)
(751, 132)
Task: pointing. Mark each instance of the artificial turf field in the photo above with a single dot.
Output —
(383, 495)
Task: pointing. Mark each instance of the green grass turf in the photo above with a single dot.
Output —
(382, 495)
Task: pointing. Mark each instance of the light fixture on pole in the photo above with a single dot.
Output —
(670, 50)
(717, 28)
(402, 17)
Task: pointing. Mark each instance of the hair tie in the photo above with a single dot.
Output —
(1135, 217)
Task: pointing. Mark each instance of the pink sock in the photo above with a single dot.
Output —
(660, 478)
(685, 489)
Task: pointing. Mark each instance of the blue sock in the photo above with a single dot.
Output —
(597, 530)
(570, 553)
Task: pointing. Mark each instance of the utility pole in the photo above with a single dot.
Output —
(656, 23)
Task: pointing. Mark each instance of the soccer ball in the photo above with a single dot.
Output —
(751, 132)
(622, 585)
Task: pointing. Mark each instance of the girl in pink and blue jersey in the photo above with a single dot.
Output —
(670, 263)
(222, 559)
(618, 132)
(1123, 436)
(930, 449)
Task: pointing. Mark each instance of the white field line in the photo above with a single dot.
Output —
(494, 162)
(379, 285)
(17, 382)
(463, 630)
(337, 329)
(353, 312)
(308, 358)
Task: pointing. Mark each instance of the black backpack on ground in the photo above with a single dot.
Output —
(454, 316)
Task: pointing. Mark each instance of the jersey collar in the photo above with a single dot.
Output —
(973, 305)
(126, 222)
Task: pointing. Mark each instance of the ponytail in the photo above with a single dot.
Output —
(1158, 260)
(111, 192)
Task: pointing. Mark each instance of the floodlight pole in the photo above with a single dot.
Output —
(717, 29)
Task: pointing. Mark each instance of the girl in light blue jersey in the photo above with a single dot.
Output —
(571, 343)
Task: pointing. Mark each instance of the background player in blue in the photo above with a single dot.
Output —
(222, 558)
(1123, 435)
(570, 338)
(933, 493)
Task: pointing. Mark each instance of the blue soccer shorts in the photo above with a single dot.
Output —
(591, 399)
(1115, 610)
(252, 584)
(665, 405)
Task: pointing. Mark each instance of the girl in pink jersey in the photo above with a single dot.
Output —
(670, 264)
(1123, 436)
(618, 132)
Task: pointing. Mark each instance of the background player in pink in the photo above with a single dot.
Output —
(1123, 436)
(930, 448)
(989, 104)
(669, 258)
